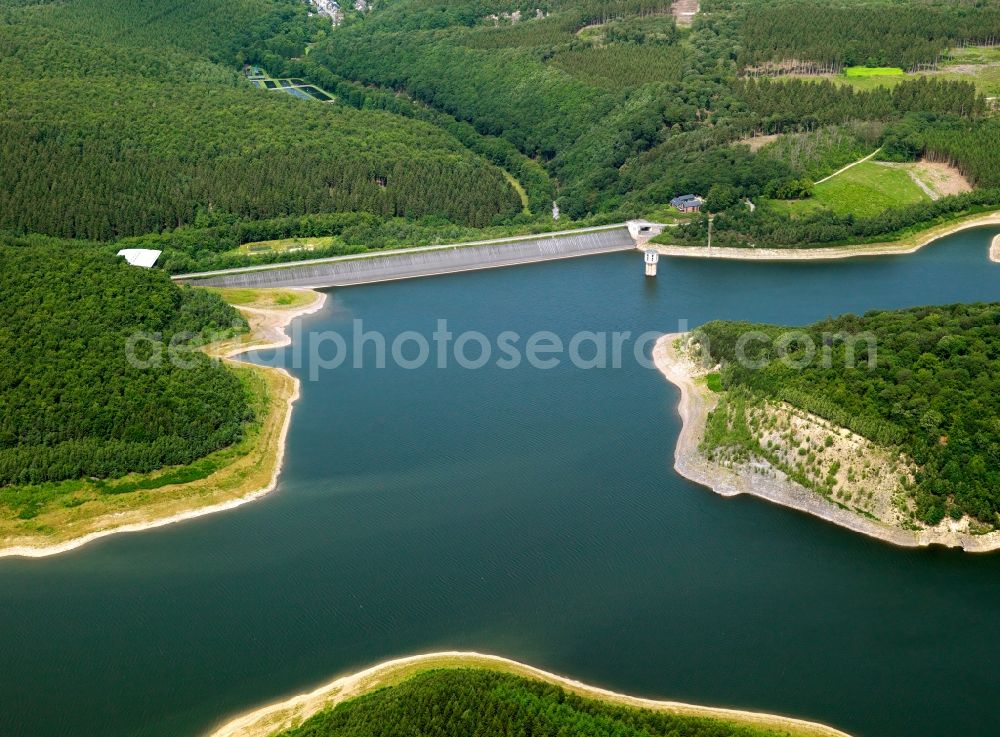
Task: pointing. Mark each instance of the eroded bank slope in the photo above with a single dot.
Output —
(869, 515)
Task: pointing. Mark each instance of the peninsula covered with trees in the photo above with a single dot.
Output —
(76, 403)
(892, 414)
(466, 693)
(463, 701)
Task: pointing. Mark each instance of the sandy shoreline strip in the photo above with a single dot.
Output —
(835, 252)
(269, 332)
(697, 401)
(995, 250)
(282, 715)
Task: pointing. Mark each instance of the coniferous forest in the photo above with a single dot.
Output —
(117, 123)
(463, 701)
(147, 130)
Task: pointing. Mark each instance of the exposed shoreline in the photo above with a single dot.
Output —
(899, 248)
(697, 401)
(268, 331)
(270, 719)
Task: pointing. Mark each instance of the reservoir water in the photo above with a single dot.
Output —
(529, 513)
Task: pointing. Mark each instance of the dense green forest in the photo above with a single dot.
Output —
(147, 134)
(466, 701)
(71, 403)
(843, 33)
(933, 391)
(116, 122)
(623, 109)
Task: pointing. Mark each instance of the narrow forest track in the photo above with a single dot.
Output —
(849, 166)
(519, 188)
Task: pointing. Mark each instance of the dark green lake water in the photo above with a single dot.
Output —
(529, 513)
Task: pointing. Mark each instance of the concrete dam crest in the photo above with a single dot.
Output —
(341, 271)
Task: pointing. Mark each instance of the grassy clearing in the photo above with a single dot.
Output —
(667, 214)
(287, 245)
(268, 299)
(521, 193)
(864, 190)
(985, 77)
(977, 64)
(868, 78)
(973, 55)
(870, 83)
(873, 71)
(819, 153)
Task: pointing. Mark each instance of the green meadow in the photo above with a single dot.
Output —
(864, 190)
(873, 71)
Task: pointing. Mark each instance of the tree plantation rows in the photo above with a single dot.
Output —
(607, 107)
(463, 701)
(622, 66)
(540, 109)
(531, 175)
(71, 403)
(936, 383)
(847, 33)
(779, 106)
(206, 29)
(973, 147)
(104, 138)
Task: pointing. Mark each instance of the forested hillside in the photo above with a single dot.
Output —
(933, 392)
(71, 403)
(115, 122)
(457, 115)
(461, 702)
(873, 33)
(624, 109)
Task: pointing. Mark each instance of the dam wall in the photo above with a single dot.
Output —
(368, 268)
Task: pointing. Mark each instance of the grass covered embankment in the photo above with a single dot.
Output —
(67, 514)
(464, 693)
